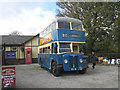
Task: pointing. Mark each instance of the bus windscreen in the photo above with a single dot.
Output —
(64, 47)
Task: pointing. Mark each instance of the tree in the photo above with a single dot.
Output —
(100, 19)
(15, 33)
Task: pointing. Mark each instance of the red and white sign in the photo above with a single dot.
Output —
(8, 77)
(45, 39)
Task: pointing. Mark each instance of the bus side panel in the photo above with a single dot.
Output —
(57, 57)
(80, 64)
(48, 61)
(41, 59)
(38, 58)
(38, 41)
(66, 65)
(45, 59)
(81, 38)
(57, 35)
(54, 35)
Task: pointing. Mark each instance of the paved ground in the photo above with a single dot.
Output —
(32, 76)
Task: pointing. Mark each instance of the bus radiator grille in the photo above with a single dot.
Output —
(73, 61)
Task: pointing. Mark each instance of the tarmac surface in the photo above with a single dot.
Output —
(32, 76)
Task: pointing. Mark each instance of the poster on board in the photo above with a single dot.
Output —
(8, 77)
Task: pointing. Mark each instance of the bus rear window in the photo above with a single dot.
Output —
(63, 25)
(76, 26)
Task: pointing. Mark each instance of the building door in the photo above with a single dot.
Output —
(28, 54)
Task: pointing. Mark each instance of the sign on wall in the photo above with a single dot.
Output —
(10, 54)
(8, 77)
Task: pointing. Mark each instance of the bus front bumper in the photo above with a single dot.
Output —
(80, 66)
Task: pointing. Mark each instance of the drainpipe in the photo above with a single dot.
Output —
(31, 49)
(19, 55)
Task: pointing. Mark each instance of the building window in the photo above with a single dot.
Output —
(14, 48)
(1, 48)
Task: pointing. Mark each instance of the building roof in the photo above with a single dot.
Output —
(31, 38)
(15, 39)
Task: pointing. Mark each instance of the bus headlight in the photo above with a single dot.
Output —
(81, 60)
(65, 61)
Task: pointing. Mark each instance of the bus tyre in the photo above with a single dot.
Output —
(41, 66)
(82, 71)
(54, 70)
(41, 63)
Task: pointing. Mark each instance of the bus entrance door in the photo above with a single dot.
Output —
(28, 55)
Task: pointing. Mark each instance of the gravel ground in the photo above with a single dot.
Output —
(32, 76)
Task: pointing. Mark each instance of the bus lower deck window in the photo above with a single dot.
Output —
(40, 50)
(54, 47)
(48, 50)
(45, 50)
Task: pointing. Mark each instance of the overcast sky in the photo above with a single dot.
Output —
(29, 18)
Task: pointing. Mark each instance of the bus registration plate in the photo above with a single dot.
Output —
(73, 68)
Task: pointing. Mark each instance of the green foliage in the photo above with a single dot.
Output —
(15, 33)
(101, 21)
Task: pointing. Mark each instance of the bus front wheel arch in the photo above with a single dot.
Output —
(41, 63)
(54, 68)
(82, 71)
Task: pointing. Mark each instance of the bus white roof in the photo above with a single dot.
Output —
(64, 19)
(67, 19)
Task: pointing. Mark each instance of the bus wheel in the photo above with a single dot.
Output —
(41, 63)
(82, 71)
(41, 66)
(54, 69)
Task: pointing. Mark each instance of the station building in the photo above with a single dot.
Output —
(19, 49)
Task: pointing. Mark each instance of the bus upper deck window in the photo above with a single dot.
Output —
(53, 26)
(76, 26)
(64, 25)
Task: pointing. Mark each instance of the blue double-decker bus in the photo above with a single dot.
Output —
(59, 46)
